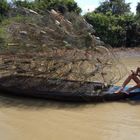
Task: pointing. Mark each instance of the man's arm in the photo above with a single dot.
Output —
(138, 70)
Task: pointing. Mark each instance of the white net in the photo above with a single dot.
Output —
(53, 46)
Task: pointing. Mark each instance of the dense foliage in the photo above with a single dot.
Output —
(4, 7)
(116, 7)
(115, 24)
(60, 5)
(138, 8)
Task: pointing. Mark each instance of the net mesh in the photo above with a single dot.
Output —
(55, 46)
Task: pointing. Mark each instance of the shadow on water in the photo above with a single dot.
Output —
(9, 101)
(133, 102)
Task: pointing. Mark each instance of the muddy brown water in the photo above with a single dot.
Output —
(35, 119)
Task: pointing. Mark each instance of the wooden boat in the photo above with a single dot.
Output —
(62, 90)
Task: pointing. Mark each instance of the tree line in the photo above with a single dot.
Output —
(115, 24)
(112, 20)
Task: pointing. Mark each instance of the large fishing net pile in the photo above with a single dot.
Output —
(51, 46)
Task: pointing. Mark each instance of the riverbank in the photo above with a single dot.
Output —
(126, 52)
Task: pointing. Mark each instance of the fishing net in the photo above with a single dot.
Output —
(52, 48)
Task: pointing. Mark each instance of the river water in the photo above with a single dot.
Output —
(35, 119)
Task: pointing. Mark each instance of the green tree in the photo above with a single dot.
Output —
(138, 8)
(4, 7)
(116, 7)
(25, 3)
(114, 30)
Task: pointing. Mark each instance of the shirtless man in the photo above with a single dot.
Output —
(135, 75)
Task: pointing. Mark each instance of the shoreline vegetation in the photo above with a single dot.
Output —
(127, 52)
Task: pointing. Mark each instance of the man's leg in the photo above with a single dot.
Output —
(137, 80)
(128, 79)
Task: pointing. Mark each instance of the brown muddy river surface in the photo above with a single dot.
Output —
(35, 119)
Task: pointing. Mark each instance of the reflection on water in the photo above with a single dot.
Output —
(35, 119)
